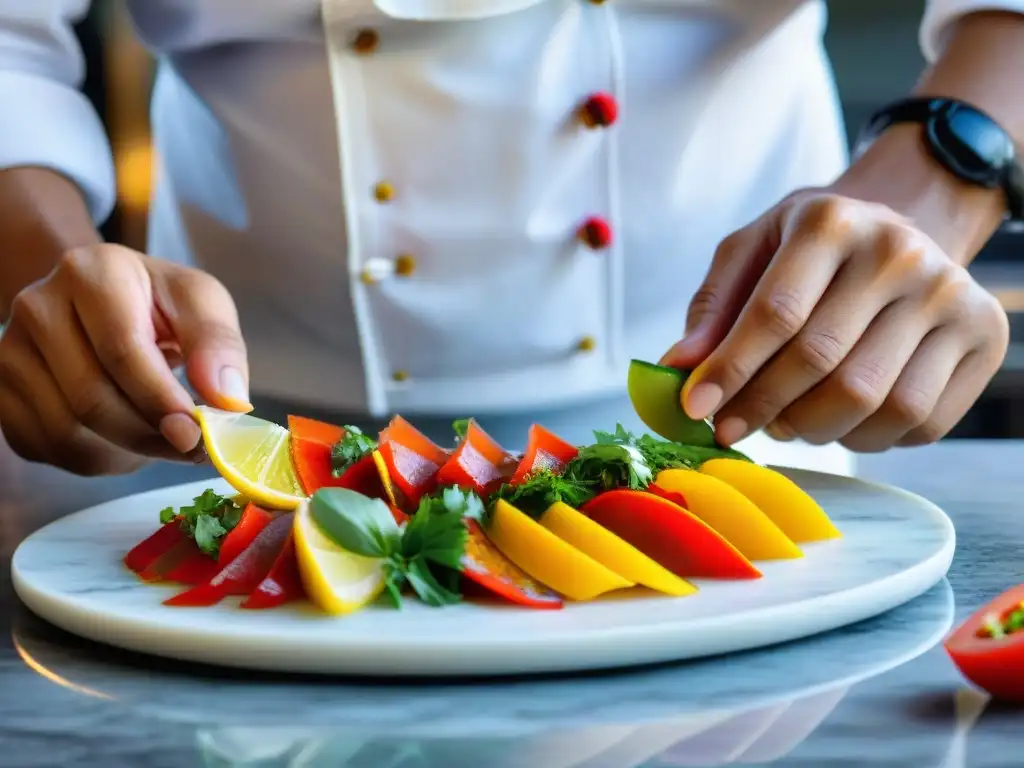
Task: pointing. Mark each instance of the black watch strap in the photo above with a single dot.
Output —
(963, 139)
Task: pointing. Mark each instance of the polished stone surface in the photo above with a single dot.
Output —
(878, 693)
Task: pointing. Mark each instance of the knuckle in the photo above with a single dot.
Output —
(733, 370)
(759, 406)
(859, 388)
(783, 312)
(90, 405)
(908, 406)
(705, 301)
(29, 310)
(820, 352)
(118, 353)
(827, 213)
(927, 433)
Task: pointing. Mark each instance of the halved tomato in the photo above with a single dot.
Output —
(988, 648)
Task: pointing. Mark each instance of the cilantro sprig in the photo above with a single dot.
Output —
(208, 519)
(353, 446)
(426, 553)
(540, 490)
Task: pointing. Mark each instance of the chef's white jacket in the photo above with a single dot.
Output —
(453, 206)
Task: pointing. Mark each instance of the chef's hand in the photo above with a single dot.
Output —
(831, 319)
(86, 361)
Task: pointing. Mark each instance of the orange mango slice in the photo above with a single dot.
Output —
(669, 535)
(783, 501)
(551, 561)
(609, 550)
(732, 514)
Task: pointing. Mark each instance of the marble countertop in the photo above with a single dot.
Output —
(878, 693)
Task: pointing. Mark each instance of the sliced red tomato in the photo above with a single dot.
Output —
(992, 662)
(313, 431)
(669, 535)
(252, 521)
(245, 572)
(484, 564)
(283, 584)
(479, 464)
(411, 458)
(146, 552)
(544, 450)
(674, 496)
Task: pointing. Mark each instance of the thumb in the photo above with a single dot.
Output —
(738, 263)
(201, 318)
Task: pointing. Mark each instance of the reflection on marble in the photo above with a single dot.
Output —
(508, 708)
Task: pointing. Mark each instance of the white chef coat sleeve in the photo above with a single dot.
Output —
(941, 15)
(45, 120)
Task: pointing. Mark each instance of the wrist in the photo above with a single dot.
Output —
(43, 215)
(898, 171)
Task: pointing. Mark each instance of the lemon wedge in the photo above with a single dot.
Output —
(253, 456)
(336, 580)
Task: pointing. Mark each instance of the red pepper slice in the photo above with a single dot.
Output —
(161, 568)
(411, 458)
(479, 464)
(994, 664)
(544, 450)
(243, 574)
(145, 553)
(484, 564)
(283, 583)
(238, 539)
(674, 496)
(363, 477)
(669, 535)
(194, 568)
(313, 431)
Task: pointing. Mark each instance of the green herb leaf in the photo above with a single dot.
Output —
(352, 447)
(664, 454)
(208, 533)
(610, 466)
(541, 489)
(394, 579)
(208, 519)
(437, 531)
(356, 523)
(427, 587)
(461, 428)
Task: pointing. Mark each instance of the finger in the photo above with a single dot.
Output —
(915, 394)
(965, 386)
(202, 316)
(737, 264)
(776, 311)
(113, 300)
(836, 324)
(20, 426)
(91, 395)
(862, 382)
(69, 443)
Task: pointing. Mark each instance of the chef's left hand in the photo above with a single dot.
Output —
(832, 319)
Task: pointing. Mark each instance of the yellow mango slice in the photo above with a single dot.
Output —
(575, 528)
(551, 561)
(731, 514)
(786, 503)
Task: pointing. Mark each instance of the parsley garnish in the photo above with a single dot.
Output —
(208, 519)
(540, 490)
(606, 466)
(426, 554)
(353, 446)
(664, 454)
(461, 428)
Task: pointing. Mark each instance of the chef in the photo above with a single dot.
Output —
(444, 208)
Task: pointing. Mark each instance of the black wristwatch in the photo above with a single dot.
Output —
(966, 141)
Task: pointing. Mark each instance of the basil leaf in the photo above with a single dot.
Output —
(394, 579)
(355, 523)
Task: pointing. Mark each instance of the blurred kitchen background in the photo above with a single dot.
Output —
(874, 49)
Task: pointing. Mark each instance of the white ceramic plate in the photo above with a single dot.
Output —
(895, 546)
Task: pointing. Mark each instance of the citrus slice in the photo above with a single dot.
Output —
(253, 456)
(337, 581)
(655, 392)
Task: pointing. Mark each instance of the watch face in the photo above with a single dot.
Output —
(972, 143)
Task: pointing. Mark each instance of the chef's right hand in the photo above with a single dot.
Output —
(86, 361)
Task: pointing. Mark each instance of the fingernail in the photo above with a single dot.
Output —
(181, 431)
(731, 430)
(702, 400)
(234, 389)
(781, 431)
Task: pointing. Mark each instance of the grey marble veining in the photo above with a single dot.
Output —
(878, 693)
